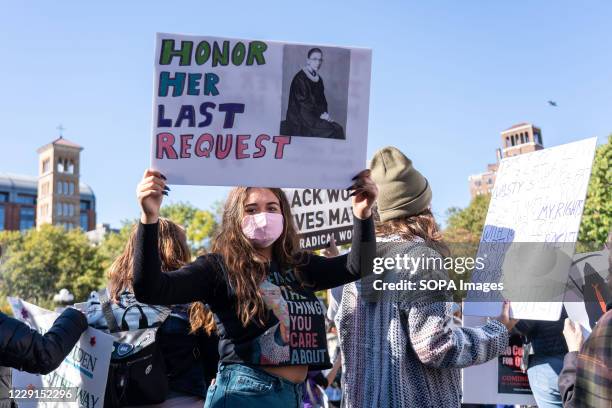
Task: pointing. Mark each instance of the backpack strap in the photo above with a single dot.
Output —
(143, 322)
(107, 310)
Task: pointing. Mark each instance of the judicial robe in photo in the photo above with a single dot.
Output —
(307, 103)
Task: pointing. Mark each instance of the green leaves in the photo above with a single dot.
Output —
(37, 264)
(597, 215)
(113, 244)
(199, 224)
(465, 225)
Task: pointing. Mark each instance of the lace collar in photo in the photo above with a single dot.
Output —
(313, 77)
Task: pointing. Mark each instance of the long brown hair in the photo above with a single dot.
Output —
(174, 253)
(245, 268)
(422, 225)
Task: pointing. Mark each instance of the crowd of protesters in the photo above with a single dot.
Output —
(242, 326)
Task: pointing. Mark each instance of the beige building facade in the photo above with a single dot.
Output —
(58, 184)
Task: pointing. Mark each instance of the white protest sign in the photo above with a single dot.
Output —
(492, 382)
(318, 214)
(259, 113)
(84, 370)
(531, 229)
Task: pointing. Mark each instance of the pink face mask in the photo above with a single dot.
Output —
(262, 229)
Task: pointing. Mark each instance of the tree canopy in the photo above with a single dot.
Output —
(597, 216)
(37, 264)
(199, 224)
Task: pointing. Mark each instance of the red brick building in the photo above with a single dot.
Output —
(519, 139)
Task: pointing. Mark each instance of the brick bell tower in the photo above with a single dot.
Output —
(58, 184)
(521, 138)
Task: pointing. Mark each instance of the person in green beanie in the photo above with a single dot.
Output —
(402, 349)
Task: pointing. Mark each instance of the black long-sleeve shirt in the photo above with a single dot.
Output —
(546, 337)
(293, 334)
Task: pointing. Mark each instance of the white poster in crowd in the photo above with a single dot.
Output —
(530, 231)
(320, 214)
(494, 382)
(259, 113)
(83, 372)
(587, 291)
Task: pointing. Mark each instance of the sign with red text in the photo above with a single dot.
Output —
(510, 378)
(81, 377)
(320, 214)
(259, 113)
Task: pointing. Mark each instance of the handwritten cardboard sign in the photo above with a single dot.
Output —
(531, 229)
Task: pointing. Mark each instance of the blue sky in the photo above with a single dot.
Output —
(447, 77)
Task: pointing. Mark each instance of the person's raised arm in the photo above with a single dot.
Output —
(194, 282)
(327, 273)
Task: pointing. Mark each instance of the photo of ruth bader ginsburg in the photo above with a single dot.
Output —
(307, 112)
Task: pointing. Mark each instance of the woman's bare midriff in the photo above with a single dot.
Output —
(295, 374)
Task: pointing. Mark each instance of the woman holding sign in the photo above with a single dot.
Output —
(259, 286)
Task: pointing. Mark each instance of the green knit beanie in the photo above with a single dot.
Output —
(402, 190)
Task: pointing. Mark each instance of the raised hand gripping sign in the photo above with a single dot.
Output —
(259, 113)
